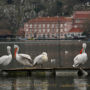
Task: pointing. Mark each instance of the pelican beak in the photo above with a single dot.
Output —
(15, 52)
(81, 51)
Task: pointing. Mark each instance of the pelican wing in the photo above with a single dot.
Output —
(80, 59)
(8, 60)
(5, 60)
(38, 59)
(23, 59)
(26, 56)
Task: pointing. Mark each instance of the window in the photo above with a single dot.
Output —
(43, 30)
(65, 24)
(35, 30)
(26, 25)
(52, 25)
(43, 25)
(39, 30)
(35, 25)
(48, 30)
(61, 25)
(26, 30)
(48, 25)
(65, 29)
(61, 30)
(39, 25)
(30, 25)
(57, 25)
(57, 30)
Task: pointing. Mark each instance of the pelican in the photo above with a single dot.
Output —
(66, 52)
(24, 59)
(40, 59)
(81, 58)
(6, 59)
(53, 60)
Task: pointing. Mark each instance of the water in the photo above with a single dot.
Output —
(62, 52)
(44, 83)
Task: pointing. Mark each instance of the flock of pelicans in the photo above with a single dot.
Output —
(26, 59)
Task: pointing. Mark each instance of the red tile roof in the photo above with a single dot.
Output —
(76, 30)
(50, 19)
(81, 14)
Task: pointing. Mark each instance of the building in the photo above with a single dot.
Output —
(56, 27)
(48, 27)
(75, 33)
(79, 17)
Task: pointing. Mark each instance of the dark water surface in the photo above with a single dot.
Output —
(44, 83)
(62, 52)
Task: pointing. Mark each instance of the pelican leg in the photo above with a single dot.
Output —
(80, 67)
(75, 65)
(82, 72)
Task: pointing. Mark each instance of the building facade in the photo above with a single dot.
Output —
(48, 27)
(74, 33)
(79, 17)
(56, 27)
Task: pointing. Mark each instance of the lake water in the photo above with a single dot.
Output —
(44, 83)
(62, 52)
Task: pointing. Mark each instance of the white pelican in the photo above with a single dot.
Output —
(24, 59)
(40, 59)
(53, 60)
(81, 58)
(6, 59)
(66, 52)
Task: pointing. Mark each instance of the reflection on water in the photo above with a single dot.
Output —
(23, 83)
(40, 85)
(80, 84)
(5, 84)
(44, 83)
